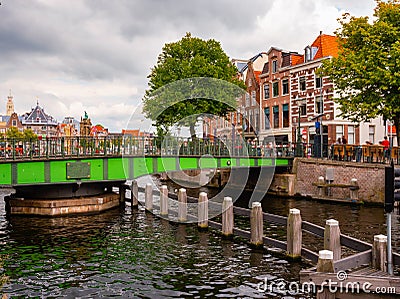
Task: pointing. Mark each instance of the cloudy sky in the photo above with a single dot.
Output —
(95, 55)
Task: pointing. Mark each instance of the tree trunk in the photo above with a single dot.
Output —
(192, 131)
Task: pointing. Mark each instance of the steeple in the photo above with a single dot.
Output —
(10, 105)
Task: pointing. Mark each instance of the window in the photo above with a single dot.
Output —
(247, 104)
(275, 89)
(257, 116)
(14, 123)
(302, 85)
(319, 104)
(285, 86)
(253, 98)
(371, 134)
(339, 132)
(285, 115)
(274, 66)
(276, 116)
(266, 91)
(350, 135)
(267, 118)
(318, 82)
(303, 109)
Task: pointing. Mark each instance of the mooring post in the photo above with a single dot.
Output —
(332, 238)
(379, 253)
(256, 225)
(294, 234)
(182, 205)
(354, 189)
(164, 200)
(321, 188)
(325, 264)
(121, 191)
(203, 211)
(148, 197)
(227, 217)
(134, 194)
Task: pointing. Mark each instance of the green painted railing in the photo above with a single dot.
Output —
(69, 160)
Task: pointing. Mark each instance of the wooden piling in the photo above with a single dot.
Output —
(227, 217)
(203, 211)
(148, 197)
(354, 189)
(164, 200)
(182, 205)
(379, 253)
(325, 264)
(332, 238)
(134, 194)
(256, 224)
(121, 192)
(321, 189)
(294, 234)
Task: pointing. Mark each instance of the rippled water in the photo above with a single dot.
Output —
(128, 254)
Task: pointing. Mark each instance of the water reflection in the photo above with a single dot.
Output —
(130, 253)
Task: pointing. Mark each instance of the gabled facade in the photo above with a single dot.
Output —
(40, 123)
(275, 94)
(14, 121)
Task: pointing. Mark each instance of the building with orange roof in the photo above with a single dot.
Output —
(313, 107)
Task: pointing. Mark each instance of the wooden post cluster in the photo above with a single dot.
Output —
(379, 253)
(182, 205)
(134, 194)
(332, 238)
(203, 211)
(294, 234)
(256, 224)
(148, 197)
(227, 217)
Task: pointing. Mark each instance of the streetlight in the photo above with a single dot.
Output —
(299, 143)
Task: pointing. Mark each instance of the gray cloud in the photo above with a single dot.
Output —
(96, 54)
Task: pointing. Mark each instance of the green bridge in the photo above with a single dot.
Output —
(47, 173)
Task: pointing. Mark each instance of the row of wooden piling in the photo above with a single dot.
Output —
(327, 256)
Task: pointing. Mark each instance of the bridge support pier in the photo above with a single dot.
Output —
(62, 206)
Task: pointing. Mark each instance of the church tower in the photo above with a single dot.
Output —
(10, 105)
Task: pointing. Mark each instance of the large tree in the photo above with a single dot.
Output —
(366, 72)
(170, 100)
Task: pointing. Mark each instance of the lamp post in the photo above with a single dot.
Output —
(299, 143)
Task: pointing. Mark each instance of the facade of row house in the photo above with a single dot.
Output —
(312, 102)
(275, 94)
(286, 91)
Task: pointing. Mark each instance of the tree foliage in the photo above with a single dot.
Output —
(366, 72)
(172, 100)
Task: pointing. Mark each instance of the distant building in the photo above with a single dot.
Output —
(39, 122)
(85, 126)
(14, 121)
(10, 105)
(68, 127)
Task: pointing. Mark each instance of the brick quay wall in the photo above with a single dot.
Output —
(370, 179)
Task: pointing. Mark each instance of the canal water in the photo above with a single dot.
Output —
(132, 254)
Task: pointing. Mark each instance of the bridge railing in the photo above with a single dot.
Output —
(60, 147)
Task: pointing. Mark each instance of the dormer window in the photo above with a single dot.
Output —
(274, 66)
(307, 55)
